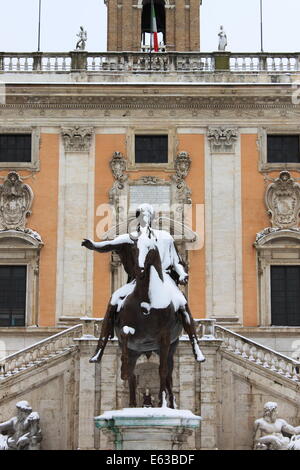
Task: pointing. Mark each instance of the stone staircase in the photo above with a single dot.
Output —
(228, 390)
(246, 349)
(40, 353)
(261, 356)
(233, 343)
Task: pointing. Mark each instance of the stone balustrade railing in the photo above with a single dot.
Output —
(206, 329)
(258, 354)
(133, 62)
(40, 352)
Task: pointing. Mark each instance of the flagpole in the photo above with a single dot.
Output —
(39, 27)
(261, 27)
(151, 33)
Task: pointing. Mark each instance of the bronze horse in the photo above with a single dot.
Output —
(143, 330)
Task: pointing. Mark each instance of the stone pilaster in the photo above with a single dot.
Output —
(109, 374)
(210, 378)
(86, 394)
(223, 221)
(76, 209)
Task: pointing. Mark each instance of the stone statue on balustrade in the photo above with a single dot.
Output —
(148, 312)
(82, 35)
(22, 432)
(273, 433)
(222, 40)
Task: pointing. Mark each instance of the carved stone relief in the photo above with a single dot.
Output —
(118, 167)
(222, 139)
(179, 191)
(15, 203)
(182, 166)
(77, 139)
(283, 201)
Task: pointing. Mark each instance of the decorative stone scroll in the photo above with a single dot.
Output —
(77, 139)
(222, 139)
(283, 201)
(15, 203)
(182, 167)
(118, 168)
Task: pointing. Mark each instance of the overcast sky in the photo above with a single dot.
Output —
(61, 20)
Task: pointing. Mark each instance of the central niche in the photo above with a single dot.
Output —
(159, 6)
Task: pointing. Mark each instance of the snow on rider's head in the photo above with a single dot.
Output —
(145, 212)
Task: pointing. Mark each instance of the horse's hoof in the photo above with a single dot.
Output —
(94, 360)
(97, 356)
(200, 360)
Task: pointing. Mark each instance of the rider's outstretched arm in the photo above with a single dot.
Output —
(178, 264)
(105, 247)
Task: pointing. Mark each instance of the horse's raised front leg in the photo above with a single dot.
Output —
(189, 327)
(163, 366)
(169, 381)
(132, 358)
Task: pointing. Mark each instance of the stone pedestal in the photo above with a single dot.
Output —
(148, 428)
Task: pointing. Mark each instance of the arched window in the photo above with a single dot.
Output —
(159, 6)
(19, 274)
(278, 256)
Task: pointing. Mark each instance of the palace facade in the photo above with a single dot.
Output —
(211, 139)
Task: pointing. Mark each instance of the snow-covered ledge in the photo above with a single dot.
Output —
(148, 428)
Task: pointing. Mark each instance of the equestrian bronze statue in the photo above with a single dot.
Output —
(148, 313)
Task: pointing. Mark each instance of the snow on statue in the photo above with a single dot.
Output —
(149, 311)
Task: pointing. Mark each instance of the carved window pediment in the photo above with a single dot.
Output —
(272, 237)
(15, 239)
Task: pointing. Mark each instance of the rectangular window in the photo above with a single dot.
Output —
(283, 149)
(151, 149)
(285, 295)
(12, 295)
(15, 148)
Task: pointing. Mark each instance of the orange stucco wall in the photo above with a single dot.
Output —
(194, 145)
(106, 145)
(44, 220)
(254, 220)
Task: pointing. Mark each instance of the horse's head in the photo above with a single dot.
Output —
(146, 253)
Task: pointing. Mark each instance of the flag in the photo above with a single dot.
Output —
(154, 27)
